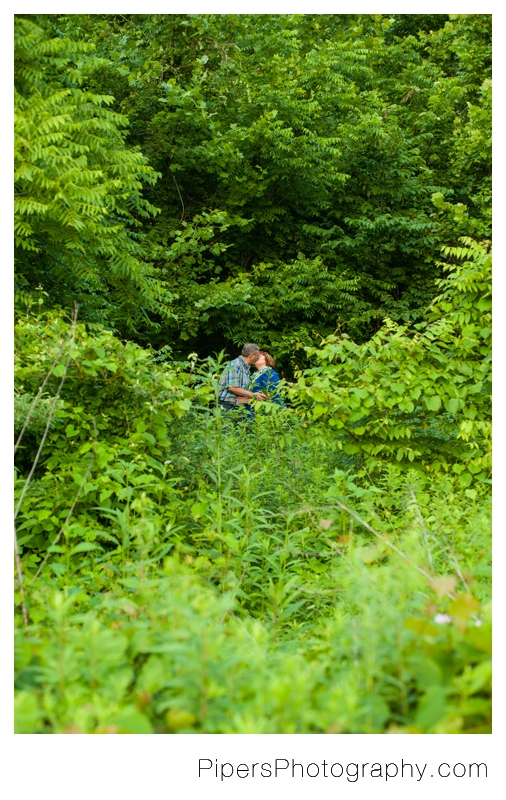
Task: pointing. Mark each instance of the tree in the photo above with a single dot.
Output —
(78, 188)
(312, 165)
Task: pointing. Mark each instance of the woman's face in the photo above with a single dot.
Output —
(260, 363)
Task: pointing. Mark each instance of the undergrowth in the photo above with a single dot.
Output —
(249, 580)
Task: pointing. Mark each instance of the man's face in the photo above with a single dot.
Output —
(252, 358)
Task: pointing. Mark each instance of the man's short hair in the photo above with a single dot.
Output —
(249, 349)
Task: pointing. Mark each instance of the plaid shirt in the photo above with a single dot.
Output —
(236, 373)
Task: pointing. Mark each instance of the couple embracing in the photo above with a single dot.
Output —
(237, 387)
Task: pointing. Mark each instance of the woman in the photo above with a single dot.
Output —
(267, 379)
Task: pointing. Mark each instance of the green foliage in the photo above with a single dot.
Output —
(109, 426)
(189, 664)
(274, 612)
(422, 395)
(183, 573)
(78, 187)
(315, 140)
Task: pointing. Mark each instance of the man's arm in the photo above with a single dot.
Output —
(246, 393)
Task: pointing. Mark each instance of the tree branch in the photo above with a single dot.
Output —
(20, 577)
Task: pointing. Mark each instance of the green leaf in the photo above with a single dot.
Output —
(130, 720)
(433, 402)
(84, 547)
(26, 713)
(465, 478)
(431, 708)
(452, 405)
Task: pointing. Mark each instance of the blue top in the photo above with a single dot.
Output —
(267, 381)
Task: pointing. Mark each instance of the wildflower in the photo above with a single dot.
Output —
(442, 619)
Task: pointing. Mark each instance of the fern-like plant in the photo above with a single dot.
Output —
(78, 187)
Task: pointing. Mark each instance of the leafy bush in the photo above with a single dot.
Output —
(108, 434)
(419, 395)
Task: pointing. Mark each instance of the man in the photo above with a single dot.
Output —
(235, 379)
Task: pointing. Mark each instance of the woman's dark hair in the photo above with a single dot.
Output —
(268, 358)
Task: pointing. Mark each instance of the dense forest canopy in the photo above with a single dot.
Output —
(199, 181)
(319, 185)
